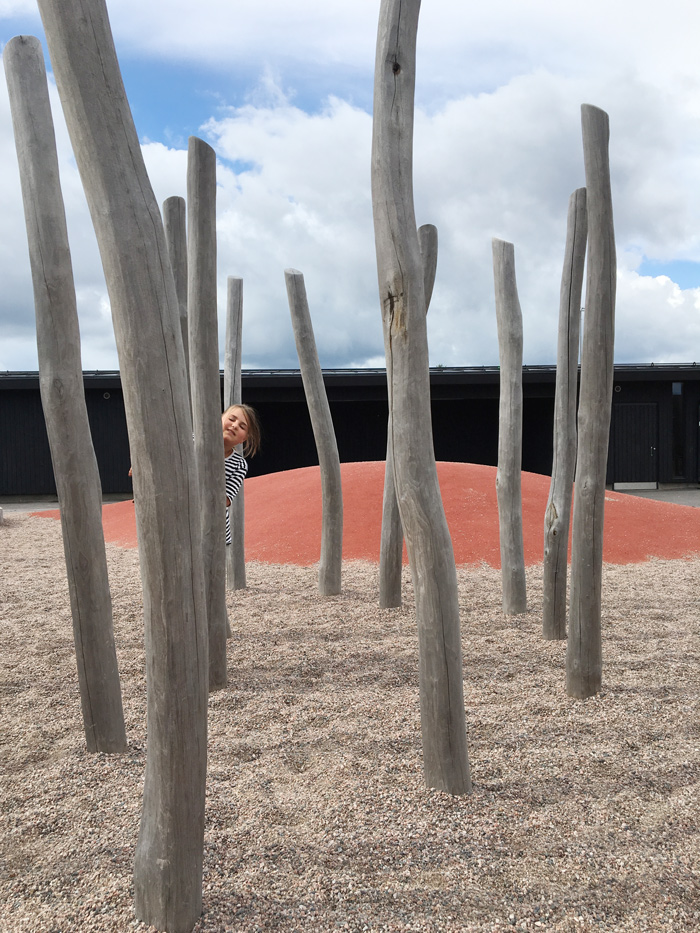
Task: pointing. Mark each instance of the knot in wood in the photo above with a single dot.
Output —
(396, 68)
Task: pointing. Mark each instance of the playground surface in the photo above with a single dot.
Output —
(283, 518)
(584, 814)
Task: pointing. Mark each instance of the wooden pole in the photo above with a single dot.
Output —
(391, 542)
(584, 656)
(168, 863)
(510, 428)
(402, 299)
(206, 393)
(63, 397)
(235, 553)
(175, 224)
(330, 567)
(558, 511)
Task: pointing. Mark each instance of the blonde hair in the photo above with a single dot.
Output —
(251, 445)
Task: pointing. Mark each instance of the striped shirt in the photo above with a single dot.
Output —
(235, 469)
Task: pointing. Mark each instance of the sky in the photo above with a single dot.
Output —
(283, 93)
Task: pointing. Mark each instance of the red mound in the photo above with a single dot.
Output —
(283, 517)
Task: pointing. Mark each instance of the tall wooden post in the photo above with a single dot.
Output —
(206, 393)
(63, 397)
(391, 544)
(402, 298)
(235, 552)
(168, 864)
(584, 655)
(558, 511)
(175, 224)
(510, 428)
(330, 568)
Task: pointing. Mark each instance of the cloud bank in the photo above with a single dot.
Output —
(497, 153)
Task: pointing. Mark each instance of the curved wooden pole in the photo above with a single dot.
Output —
(235, 553)
(402, 298)
(63, 397)
(205, 380)
(510, 428)
(584, 655)
(391, 542)
(558, 512)
(168, 862)
(330, 568)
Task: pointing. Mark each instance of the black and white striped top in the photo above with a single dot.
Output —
(235, 469)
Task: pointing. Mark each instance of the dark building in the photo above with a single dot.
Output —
(653, 439)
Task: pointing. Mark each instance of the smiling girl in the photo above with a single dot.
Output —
(240, 427)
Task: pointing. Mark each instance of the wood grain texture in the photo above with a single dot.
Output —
(402, 300)
(175, 225)
(205, 381)
(330, 567)
(235, 553)
(63, 397)
(584, 654)
(558, 513)
(391, 543)
(510, 428)
(145, 311)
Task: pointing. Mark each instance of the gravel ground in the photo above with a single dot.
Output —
(584, 815)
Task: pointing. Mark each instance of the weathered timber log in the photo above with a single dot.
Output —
(391, 542)
(175, 224)
(402, 299)
(168, 862)
(510, 428)
(558, 512)
(63, 397)
(235, 553)
(584, 656)
(205, 381)
(330, 567)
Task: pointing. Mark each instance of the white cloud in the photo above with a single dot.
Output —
(497, 152)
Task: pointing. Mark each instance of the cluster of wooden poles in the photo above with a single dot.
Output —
(161, 278)
(578, 454)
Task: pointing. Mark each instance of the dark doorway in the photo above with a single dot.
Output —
(635, 434)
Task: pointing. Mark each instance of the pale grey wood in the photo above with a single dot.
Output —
(330, 567)
(168, 861)
(235, 552)
(175, 224)
(510, 428)
(205, 381)
(402, 300)
(391, 541)
(558, 512)
(428, 245)
(63, 397)
(584, 655)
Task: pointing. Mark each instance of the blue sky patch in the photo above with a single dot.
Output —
(683, 272)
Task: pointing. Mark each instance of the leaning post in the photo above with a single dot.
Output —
(235, 552)
(169, 851)
(584, 655)
(175, 224)
(330, 567)
(205, 381)
(558, 512)
(63, 397)
(402, 300)
(391, 543)
(510, 428)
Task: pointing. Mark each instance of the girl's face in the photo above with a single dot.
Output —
(235, 428)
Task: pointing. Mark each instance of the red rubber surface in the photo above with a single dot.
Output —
(283, 517)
